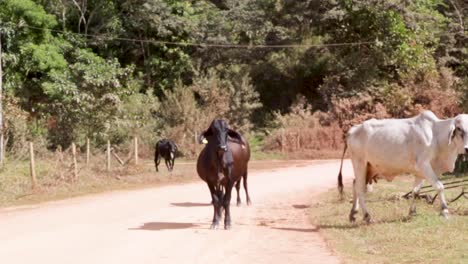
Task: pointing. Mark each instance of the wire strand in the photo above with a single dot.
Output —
(191, 44)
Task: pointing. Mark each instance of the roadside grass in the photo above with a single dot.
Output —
(394, 237)
(57, 183)
(258, 153)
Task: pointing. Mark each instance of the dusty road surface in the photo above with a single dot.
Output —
(171, 224)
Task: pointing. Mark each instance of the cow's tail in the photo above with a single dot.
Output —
(340, 175)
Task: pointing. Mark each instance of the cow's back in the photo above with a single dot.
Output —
(392, 145)
(241, 155)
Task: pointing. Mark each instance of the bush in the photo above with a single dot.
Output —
(314, 135)
(186, 111)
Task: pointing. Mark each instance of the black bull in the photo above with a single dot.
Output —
(221, 164)
(166, 149)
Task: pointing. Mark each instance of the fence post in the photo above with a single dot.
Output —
(2, 145)
(136, 150)
(32, 165)
(298, 141)
(87, 151)
(108, 167)
(282, 140)
(75, 165)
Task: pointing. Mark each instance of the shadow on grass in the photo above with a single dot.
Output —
(358, 224)
(157, 226)
(307, 230)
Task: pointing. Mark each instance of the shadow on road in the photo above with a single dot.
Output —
(190, 204)
(301, 206)
(156, 226)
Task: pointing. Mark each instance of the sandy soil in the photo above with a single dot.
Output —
(171, 224)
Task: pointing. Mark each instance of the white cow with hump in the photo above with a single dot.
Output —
(424, 146)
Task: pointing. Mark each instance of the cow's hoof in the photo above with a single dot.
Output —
(368, 219)
(214, 226)
(227, 226)
(445, 213)
(239, 203)
(352, 217)
(249, 203)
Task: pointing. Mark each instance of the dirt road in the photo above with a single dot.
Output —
(171, 224)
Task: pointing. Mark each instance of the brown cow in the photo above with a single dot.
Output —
(221, 164)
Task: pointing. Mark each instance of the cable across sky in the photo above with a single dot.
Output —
(213, 45)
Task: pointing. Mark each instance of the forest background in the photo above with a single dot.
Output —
(288, 74)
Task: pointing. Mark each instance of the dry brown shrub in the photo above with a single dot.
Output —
(436, 92)
(433, 91)
(307, 134)
(355, 110)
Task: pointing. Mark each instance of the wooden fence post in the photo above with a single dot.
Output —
(282, 140)
(117, 157)
(87, 151)
(108, 167)
(2, 145)
(75, 165)
(32, 165)
(136, 150)
(298, 141)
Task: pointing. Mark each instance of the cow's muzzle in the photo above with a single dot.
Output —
(222, 148)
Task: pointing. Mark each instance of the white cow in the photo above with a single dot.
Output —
(424, 146)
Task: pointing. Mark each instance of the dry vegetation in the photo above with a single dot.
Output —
(55, 178)
(305, 133)
(394, 237)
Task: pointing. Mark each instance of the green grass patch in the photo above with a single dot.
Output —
(394, 237)
(256, 143)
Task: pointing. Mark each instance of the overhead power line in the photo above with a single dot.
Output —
(192, 44)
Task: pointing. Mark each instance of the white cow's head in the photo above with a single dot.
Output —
(459, 133)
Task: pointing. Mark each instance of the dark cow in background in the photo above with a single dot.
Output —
(221, 164)
(167, 149)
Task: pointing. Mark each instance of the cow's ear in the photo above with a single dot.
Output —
(235, 135)
(204, 135)
(452, 134)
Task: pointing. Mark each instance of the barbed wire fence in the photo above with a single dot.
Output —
(66, 165)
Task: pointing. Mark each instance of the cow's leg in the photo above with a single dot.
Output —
(167, 164)
(157, 159)
(430, 175)
(212, 191)
(359, 192)
(355, 208)
(239, 202)
(217, 205)
(418, 182)
(172, 162)
(227, 205)
(246, 189)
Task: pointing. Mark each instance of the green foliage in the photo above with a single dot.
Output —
(125, 77)
(85, 99)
